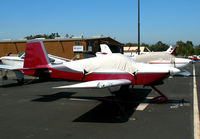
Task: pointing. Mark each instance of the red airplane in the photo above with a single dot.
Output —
(97, 72)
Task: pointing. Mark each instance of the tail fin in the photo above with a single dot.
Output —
(35, 55)
(105, 49)
(171, 50)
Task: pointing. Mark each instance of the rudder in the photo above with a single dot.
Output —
(35, 55)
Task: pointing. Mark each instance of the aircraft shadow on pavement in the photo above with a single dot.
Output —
(13, 82)
(112, 109)
(115, 109)
(54, 97)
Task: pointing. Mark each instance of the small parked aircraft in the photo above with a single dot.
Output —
(17, 61)
(160, 58)
(194, 58)
(97, 72)
(170, 50)
(106, 50)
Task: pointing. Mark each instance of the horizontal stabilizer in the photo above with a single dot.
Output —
(35, 68)
(97, 84)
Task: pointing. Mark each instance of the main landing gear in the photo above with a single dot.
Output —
(20, 81)
(118, 99)
(4, 74)
(160, 99)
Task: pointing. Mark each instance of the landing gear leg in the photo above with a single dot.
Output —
(160, 99)
(20, 77)
(20, 81)
(124, 88)
(121, 112)
(4, 74)
(5, 77)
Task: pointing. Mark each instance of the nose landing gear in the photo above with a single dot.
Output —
(160, 99)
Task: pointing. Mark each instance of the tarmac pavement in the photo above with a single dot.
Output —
(35, 110)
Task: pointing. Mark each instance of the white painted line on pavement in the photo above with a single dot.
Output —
(77, 99)
(142, 106)
(195, 107)
(149, 97)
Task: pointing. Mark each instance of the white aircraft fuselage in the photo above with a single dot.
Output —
(109, 67)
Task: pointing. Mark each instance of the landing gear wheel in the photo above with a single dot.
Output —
(124, 88)
(5, 77)
(121, 114)
(20, 81)
(159, 99)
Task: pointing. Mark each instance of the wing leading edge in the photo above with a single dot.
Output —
(7, 67)
(97, 84)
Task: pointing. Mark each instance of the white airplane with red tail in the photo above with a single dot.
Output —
(97, 72)
(10, 62)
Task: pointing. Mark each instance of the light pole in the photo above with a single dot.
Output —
(138, 27)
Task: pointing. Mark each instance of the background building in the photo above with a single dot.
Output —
(131, 50)
(74, 48)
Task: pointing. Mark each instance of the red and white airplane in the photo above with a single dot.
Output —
(170, 50)
(97, 72)
(17, 61)
(194, 58)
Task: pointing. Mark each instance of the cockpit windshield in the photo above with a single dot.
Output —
(20, 55)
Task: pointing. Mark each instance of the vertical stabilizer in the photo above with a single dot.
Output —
(105, 49)
(35, 55)
(171, 50)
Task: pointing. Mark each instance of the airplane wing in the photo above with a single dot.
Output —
(97, 84)
(184, 73)
(7, 67)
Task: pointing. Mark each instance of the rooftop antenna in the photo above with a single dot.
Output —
(138, 27)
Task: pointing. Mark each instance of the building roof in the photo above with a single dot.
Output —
(106, 40)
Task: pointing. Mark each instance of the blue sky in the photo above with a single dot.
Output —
(161, 20)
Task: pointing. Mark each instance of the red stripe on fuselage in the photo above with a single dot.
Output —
(139, 79)
(77, 76)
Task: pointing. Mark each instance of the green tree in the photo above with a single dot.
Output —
(184, 49)
(46, 36)
(159, 46)
(197, 50)
(131, 44)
